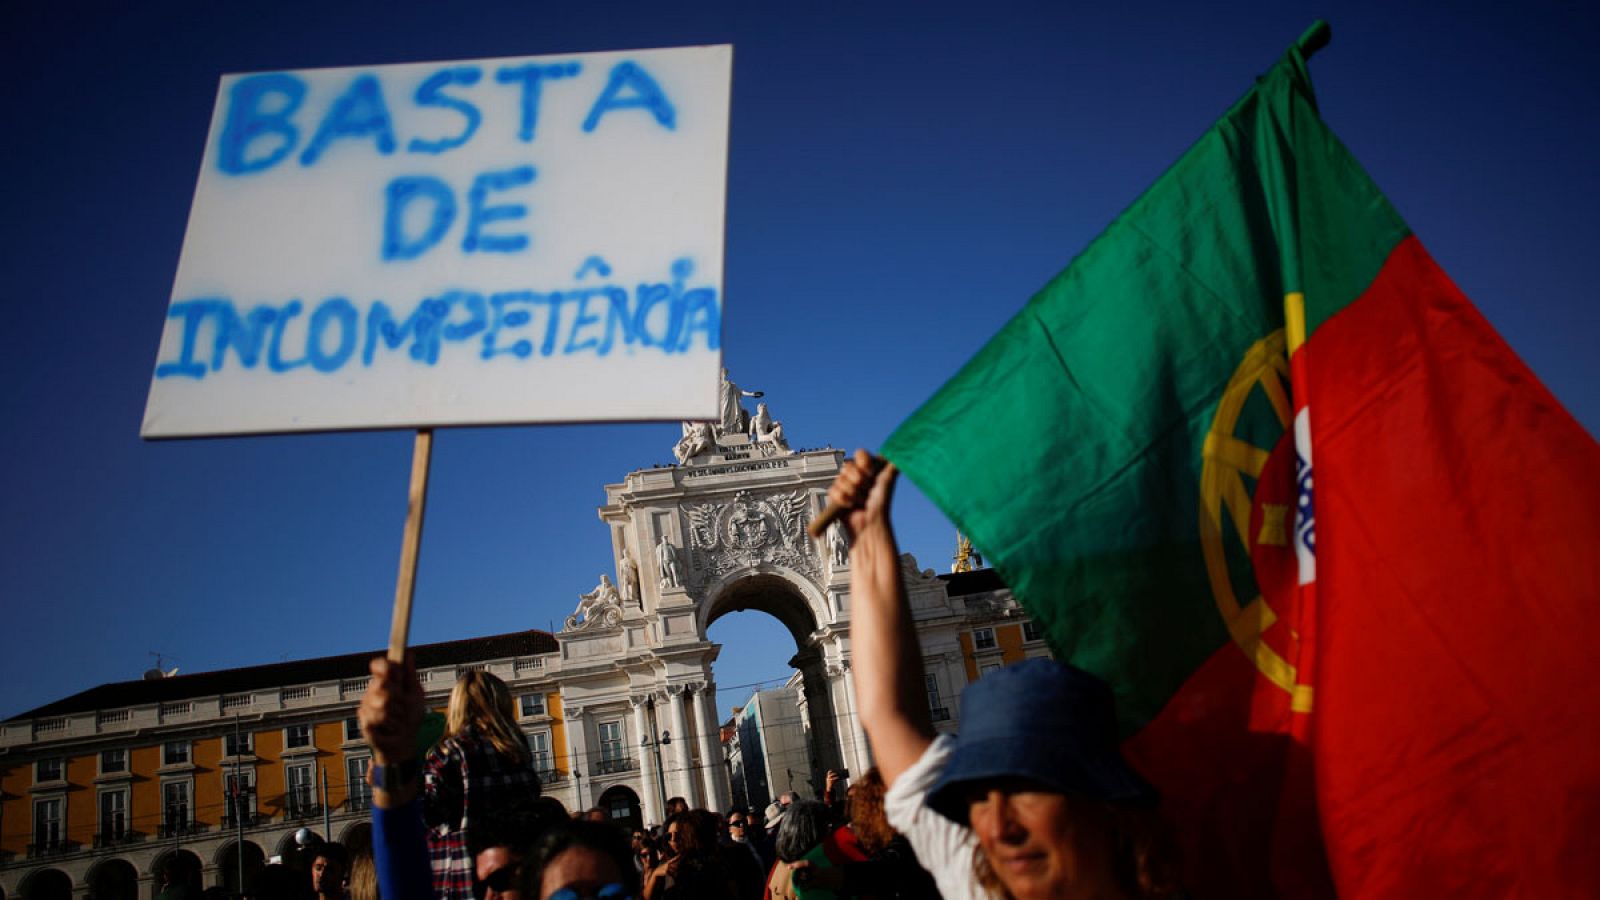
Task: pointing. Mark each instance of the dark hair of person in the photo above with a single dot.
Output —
(697, 833)
(867, 818)
(1144, 857)
(804, 827)
(515, 823)
(332, 852)
(276, 881)
(598, 837)
(550, 809)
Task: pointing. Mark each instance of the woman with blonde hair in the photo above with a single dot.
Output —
(481, 762)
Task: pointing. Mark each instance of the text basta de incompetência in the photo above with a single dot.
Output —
(259, 133)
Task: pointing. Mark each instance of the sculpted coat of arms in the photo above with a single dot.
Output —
(749, 531)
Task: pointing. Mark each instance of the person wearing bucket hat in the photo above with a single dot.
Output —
(1032, 798)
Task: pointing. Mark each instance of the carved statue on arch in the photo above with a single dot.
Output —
(600, 607)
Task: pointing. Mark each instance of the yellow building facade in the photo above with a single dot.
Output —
(99, 790)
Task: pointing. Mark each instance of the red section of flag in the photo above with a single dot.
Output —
(1456, 726)
(1235, 785)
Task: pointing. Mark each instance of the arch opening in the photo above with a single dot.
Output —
(45, 884)
(786, 729)
(622, 807)
(113, 879)
(255, 859)
(175, 867)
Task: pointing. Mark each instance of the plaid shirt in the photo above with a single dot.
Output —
(461, 773)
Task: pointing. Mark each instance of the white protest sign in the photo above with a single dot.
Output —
(528, 239)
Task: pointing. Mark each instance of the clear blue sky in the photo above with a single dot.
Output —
(902, 177)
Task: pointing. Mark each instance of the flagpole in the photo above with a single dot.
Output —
(238, 804)
(410, 545)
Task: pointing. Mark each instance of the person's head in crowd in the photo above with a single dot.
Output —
(1038, 777)
(646, 850)
(578, 860)
(867, 818)
(739, 826)
(549, 809)
(804, 826)
(773, 817)
(676, 805)
(690, 834)
(787, 799)
(595, 814)
(362, 883)
(481, 702)
(501, 838)
(276, 881)
(329, 864)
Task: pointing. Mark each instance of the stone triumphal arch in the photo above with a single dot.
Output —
(723, 530)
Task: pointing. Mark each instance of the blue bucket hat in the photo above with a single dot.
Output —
(1044, 722)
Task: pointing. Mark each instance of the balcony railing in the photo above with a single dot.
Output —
(295, 810)
(246, 820)
(359, 802)
(940, 713)
(551, 776)
(50, 848)
(613, 766)
(114, 838)
(173, 829)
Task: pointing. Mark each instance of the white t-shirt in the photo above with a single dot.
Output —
(943, 847)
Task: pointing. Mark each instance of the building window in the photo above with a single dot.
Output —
(237, 744)
(983, 638)
(539, 744)
(352, 729)
(610, 740)
(175, 813)
(299, 799)
(175, 753)
(113, 815)
(360, 792)
(532, 705)
(297, 736)
(239, 793)
(47, 829)
(937, 710)
(1032, 631)
(48, 769)
(619, 808)
(113, 761)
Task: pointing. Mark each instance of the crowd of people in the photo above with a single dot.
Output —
(1031, 799)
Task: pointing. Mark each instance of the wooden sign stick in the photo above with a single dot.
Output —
(410, 544)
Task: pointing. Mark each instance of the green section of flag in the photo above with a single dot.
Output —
(1069, 448)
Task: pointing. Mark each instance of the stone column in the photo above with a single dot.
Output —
(863, 750)
(712, 770)
(682, 776)
(827, 746)
(650, 802)
(579, 766)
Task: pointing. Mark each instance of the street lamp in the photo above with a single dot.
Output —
(661, 777)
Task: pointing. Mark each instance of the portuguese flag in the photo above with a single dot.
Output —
(1255, 460)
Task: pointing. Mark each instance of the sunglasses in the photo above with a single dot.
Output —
(736, 823)
(613, 891)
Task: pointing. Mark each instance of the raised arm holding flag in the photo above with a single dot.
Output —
(1254, 459)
